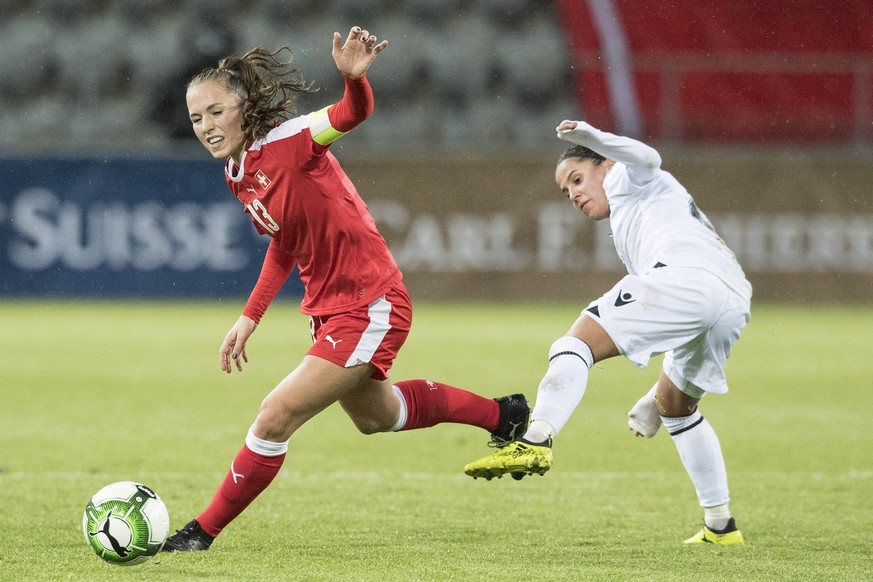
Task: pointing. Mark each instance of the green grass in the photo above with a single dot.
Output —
(92, 393)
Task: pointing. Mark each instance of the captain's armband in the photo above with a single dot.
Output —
(320, 128)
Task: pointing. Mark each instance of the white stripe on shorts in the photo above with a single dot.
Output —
(379, 311)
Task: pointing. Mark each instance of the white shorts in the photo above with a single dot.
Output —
(689, 315)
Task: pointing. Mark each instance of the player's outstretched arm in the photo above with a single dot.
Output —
(355, 56)
(634, 154)
(352, 59)
(233, 349)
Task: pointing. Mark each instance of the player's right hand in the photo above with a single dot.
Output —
(233, 349)
(355, 56)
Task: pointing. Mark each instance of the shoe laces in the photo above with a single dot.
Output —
(188, 530)
(498, 443)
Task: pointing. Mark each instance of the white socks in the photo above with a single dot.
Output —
(700, 453)
(561, 389)
(265, 448)
(716, 518)
(539, 431)
(404, 411)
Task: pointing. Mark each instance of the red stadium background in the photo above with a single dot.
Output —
(771, 71)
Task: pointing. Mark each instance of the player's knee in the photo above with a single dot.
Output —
(268, 428)
(673, 402)
(276, 423)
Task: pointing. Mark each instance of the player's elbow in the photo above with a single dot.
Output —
(652, 160)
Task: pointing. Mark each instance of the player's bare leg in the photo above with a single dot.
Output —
(313, 386)
(372, 406)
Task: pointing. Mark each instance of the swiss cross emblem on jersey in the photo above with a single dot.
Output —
(262, 179)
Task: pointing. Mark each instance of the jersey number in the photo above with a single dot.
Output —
(259, 212)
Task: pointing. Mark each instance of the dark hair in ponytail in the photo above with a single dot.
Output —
(583, 153)
(266, 87)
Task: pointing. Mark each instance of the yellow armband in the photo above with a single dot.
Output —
(319, 126)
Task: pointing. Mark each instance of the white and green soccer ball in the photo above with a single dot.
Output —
(126, 523)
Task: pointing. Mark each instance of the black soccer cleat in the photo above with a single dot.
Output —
(190, 538)
(514, 417)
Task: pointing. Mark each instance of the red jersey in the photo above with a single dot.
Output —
(295, 191)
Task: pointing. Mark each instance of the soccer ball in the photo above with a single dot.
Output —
(126, 523)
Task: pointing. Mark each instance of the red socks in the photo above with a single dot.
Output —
(250, 473)
(429, 403)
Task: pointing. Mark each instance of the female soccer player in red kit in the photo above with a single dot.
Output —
(281, 170)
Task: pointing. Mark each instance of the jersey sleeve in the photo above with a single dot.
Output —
(275, 271)
(332, 122)
(640, 159)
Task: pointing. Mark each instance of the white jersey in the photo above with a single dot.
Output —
(653, 219)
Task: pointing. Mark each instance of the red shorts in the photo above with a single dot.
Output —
(371, 334)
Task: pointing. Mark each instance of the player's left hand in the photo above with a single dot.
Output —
(233, 348)
(355, 56)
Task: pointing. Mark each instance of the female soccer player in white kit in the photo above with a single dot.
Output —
(685, 296)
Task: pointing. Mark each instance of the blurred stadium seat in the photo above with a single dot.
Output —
(100, 76)
(457, 75)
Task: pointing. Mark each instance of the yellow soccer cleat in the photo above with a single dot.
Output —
(519, 458)
(730, 535)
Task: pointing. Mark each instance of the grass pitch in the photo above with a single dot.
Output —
(92, 393)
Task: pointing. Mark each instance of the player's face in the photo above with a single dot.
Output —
(582, 182)
(217, 119)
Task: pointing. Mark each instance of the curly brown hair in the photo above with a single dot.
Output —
(266, 87)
